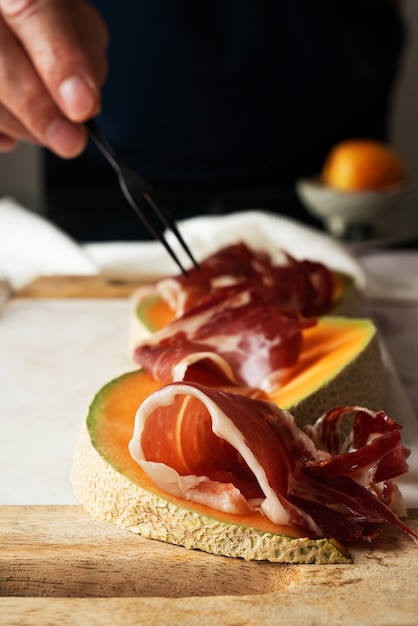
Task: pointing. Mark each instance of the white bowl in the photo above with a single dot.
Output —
(342, 210)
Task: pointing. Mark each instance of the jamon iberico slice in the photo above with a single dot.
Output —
(237, 453)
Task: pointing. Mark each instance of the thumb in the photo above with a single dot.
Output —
(50, 33)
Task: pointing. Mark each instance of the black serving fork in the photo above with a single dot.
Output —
(136, 190)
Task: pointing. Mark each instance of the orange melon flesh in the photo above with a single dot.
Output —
(155, 313)
(327, 348)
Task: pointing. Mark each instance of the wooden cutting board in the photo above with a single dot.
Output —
(60, 566)
(99, 286)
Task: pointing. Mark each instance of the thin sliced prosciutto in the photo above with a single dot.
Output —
(305, 286)
(239, 331)
(237, 454)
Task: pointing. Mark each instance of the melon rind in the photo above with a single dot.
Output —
(359, 383)
(107, 494)
(350, 302)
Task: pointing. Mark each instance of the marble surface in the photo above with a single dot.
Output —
(48, 378)
(394, 309)
(56, 354)
(392, 303)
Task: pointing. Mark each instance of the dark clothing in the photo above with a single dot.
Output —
(212, 99)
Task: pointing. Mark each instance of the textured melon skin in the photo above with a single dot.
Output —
(360, 383)
(349, 303)
(107, 494)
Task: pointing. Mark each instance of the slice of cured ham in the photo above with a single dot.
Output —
(240, 316)
(236, 453)
(240, 331)
(305, 286)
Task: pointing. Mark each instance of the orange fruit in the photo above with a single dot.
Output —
(361, 164)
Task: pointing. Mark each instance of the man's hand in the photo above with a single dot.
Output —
(52, 67)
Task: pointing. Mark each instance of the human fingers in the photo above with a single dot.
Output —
(95, 43)
(25, 102)
(52, 65)
(49, 31)
(12, 128)
(12, 132)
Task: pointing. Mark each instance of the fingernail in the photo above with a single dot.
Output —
(78, 98)
(64, 138)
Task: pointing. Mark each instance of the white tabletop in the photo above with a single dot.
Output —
(47, 381)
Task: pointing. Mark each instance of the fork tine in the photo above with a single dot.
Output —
(156, 232)
(167, 222)
(170, 224)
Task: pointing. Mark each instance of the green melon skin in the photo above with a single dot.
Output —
(358, 383)
(107, 494)
(350, 303)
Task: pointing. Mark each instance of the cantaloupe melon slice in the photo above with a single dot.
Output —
(111, 486)
(339, 365)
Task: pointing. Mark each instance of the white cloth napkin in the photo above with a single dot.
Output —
(205, 234)
(31, 246)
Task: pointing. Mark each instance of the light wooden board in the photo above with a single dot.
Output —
(59, 566)
(99, 286)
